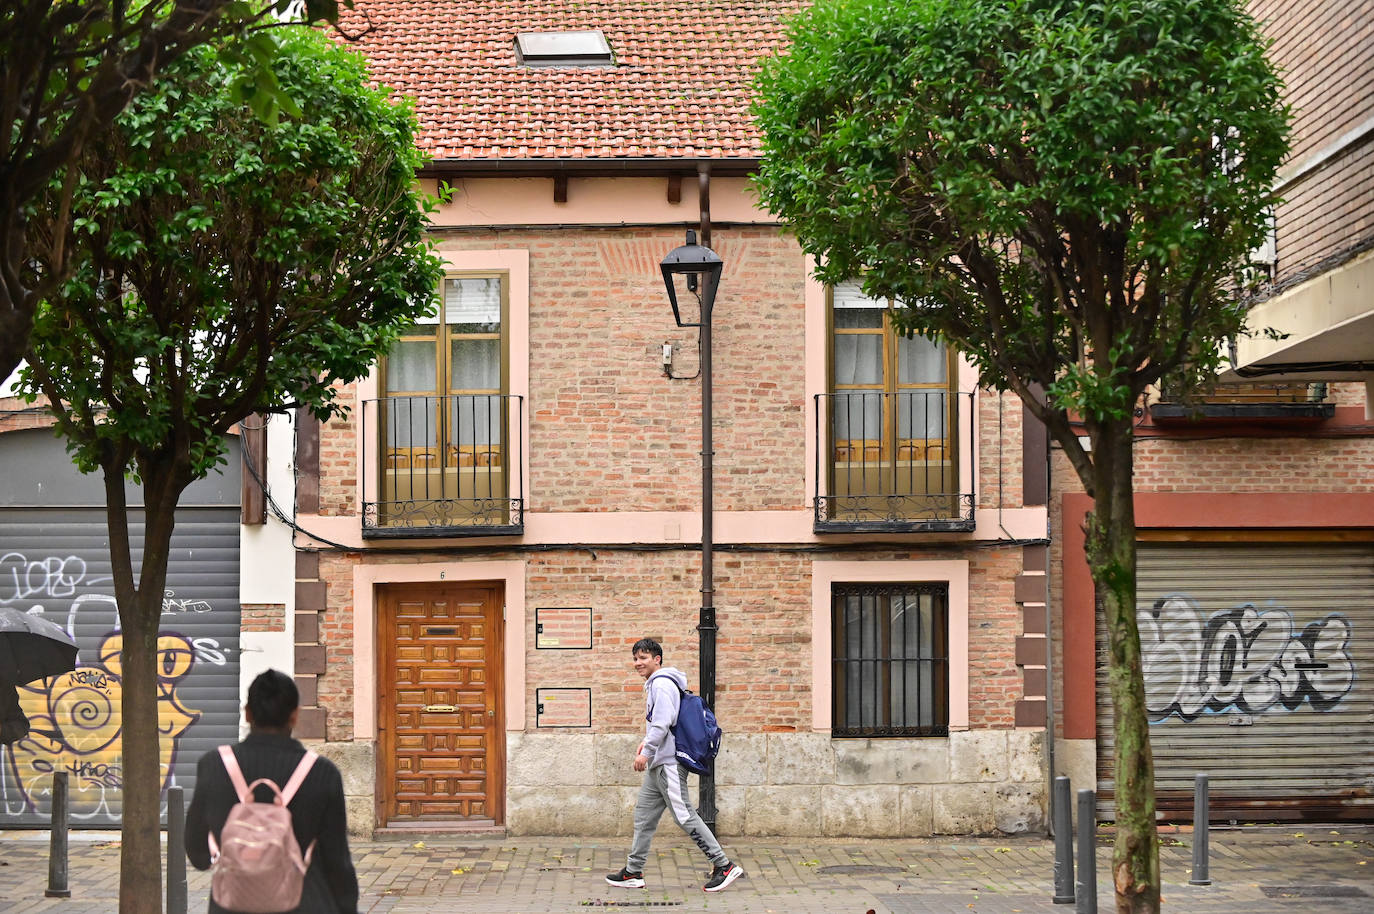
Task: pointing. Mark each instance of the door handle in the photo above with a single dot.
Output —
(441, 709)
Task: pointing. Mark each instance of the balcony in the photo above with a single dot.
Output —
(894, 462)
(1295, 402)
(443, 466)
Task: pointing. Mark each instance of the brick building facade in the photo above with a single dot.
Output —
(611, 523)
(599, 458)
(593, 537)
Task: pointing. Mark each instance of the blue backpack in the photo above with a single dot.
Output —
(696, 733)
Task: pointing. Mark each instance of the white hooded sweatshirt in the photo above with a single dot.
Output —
(661, 702)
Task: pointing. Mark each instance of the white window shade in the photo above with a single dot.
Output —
(849, 294)
(473, 300)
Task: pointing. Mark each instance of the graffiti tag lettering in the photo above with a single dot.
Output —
(49, 577)
(90, 677)
(1245, 659)
(170, 604)
(208, 651)
(94, 775)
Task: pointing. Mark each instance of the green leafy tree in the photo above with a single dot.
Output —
(1067, 192)
(222, 266)
(66, 71)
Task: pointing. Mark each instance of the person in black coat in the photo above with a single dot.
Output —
(317, 811)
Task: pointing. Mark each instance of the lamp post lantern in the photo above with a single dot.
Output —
(701, 267)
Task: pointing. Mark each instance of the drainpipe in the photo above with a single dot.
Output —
(1049, 625)
(706, 625)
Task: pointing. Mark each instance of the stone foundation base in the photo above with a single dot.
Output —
(984, 782)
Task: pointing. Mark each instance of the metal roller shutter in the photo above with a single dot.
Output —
(57, 558)
(1259, 672)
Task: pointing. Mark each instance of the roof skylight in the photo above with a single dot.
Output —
(563, 49)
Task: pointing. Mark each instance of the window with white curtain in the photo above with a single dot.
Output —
(444, 377)
(888, 389)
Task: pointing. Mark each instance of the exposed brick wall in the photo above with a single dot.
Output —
(1000, 468)
(335, 683)
(764, 612)
(1288, 464)
(338, 458)
(1347, 394)
(1328, 214)
(1321, 48)
(262, 617)
(609, 432)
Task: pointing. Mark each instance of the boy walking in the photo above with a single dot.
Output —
(665, 782)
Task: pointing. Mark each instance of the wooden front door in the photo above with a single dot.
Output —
(441, 735)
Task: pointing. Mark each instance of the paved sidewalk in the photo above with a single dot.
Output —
(1253, 871)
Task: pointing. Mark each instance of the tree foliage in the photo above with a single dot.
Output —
(222, 265)
(226, 266)
(1067, 192)
(66, 70)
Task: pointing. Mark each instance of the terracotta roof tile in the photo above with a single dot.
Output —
(679, 87)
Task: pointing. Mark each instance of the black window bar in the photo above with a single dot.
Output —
(891, 462)
(890, 660)
(444, 466)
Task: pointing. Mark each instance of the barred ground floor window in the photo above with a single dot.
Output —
(890, 659)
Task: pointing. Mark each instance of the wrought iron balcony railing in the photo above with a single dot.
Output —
(443, 466)
(894, 462)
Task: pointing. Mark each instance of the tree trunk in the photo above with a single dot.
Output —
(140, 860)
(1111, 554)
(140, 614)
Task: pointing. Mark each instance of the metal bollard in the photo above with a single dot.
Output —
(57, 847)
(176, 851)
(1063, 842)
(1086, 901)
(1201, 826)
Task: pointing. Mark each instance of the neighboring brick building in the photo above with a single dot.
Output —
(1256, 515)
(516, 496)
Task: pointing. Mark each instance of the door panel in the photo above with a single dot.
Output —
(441, 734)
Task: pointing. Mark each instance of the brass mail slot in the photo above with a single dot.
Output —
(442, 709)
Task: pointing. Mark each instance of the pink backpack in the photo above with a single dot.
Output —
(258, 864)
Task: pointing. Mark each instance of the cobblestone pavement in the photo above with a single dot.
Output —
(1253, 871)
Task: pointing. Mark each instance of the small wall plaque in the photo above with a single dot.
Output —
(563, 628)
(563, 707)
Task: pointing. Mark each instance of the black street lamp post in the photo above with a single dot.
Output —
(702, 268)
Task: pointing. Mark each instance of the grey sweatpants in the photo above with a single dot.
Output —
(665, 787)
